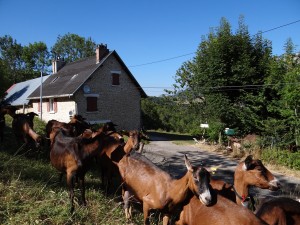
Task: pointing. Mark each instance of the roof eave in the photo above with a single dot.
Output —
(51, 96)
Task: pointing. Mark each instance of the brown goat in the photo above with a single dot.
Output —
(155, 188)
(280, 211)
(71, 155)
(221, 211)
(114, 150)
(250, 172)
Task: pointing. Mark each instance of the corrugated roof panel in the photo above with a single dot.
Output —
(18, 93)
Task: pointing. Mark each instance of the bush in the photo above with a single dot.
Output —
(282, 157)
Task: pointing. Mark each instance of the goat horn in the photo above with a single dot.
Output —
(188, 164)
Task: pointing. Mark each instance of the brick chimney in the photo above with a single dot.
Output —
(57, 64)
(101, 52)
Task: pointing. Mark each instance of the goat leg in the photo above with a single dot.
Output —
(60, 177)
(127, 208)
(166, 219)
(146, 213)
(71, 190)
(82, 184)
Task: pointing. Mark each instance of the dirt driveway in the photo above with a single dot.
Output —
(170, 157)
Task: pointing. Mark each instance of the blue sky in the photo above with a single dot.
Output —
(143, 31)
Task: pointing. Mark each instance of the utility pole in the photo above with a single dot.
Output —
(41, 96)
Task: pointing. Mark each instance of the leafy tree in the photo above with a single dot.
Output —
(36, 59)
(228, 72)
(168, 114)
(289, 47)
(10, 53)
(3, 79)
(281, 95)
(72, 47)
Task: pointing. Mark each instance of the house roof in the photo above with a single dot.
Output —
(73, 75)
(17, 94)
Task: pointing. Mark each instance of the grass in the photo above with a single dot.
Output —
(31, 194)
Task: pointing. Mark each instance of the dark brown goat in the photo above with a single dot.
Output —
(74, 128)
(222, 211)
(155, 188)
(22, 126)
(5, 109)
(8, 109)
(2, 126)
(71, 155)
(108, 168)
(280, 211)
(114, 152)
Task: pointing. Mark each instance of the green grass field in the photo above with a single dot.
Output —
(30, 192)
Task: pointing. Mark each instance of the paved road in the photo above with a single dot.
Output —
(170, 157)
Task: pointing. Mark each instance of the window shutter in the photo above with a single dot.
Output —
(91, 104)
(48, 106)
(115, 79)
(55, 105)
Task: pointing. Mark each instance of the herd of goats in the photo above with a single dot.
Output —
(194, 199)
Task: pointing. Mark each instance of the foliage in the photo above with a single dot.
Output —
(36, 57)
(282, 97)
(11, 61)
(226, 74)
(168, 114)
(284, 158)
(72, 47)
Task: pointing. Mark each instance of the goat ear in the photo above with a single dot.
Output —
(248, 161)
(188, 164)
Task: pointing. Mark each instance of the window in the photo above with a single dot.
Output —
(52, 105)
(91, 104)
(115, 79)
(115, 75)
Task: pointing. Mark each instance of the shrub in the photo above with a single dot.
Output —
(282, 157)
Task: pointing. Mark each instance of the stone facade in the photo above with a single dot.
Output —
(64, 109)
(118, 103)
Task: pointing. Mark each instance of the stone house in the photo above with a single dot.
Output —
(100, 88)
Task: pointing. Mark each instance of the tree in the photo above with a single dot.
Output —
(72, 47)
(10, 53)
(36, 59)
(228, 72)
(289, 46)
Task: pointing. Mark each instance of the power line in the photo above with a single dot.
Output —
(163, 60)
(275, 28)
